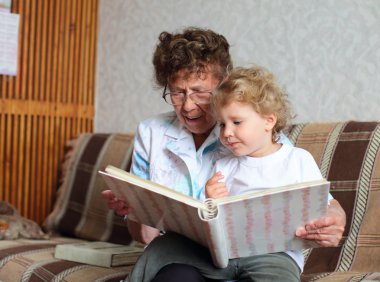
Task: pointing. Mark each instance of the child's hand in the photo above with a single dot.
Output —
(214, 188)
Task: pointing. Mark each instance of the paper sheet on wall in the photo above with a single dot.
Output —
(5, 6)
(9, 24)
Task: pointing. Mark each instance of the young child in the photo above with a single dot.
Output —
(251, 110)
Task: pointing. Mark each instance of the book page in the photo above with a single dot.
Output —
(267, 191)
(159, 211)
(267, 224)
(154, 187)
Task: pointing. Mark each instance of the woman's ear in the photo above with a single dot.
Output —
(270, 121)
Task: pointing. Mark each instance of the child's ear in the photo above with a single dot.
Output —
(270, 121)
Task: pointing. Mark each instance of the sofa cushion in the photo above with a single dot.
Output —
(79, 210)
(348, 155)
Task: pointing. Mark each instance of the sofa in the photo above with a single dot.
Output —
(347, 153)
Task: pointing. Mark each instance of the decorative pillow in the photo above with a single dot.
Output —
(80, 211)
(14, 226)
(348, 154)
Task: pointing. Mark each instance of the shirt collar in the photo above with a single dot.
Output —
(178, 132)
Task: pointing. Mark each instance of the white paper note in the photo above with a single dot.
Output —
(5, 6)
(9, 27)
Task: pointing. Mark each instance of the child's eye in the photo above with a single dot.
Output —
(237, 122)
(221, 125)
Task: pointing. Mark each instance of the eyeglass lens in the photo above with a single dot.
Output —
(196, 97)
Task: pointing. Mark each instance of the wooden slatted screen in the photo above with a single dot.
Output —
(49, 101)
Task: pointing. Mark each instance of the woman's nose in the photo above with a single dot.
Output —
(188, 104)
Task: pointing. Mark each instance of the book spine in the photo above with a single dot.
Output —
(211, 210)
(82, 255)
(215, 235)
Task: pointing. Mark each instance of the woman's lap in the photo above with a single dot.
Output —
(171, 250)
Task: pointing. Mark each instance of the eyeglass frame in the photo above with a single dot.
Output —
(184, 95)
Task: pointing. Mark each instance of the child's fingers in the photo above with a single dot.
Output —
(215, 178)
(211, 190)
(212, 181)
(216, 190)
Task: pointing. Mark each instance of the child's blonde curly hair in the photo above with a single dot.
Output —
(257, 87)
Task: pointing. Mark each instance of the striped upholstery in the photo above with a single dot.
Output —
(349, 156)
(347, 153)
(80, 211)
(33, 260)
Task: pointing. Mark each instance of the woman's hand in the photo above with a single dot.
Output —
(120, 207)
(214, 188)
(326, 231)
(139, 232)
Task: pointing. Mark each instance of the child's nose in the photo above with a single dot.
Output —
(227, 131)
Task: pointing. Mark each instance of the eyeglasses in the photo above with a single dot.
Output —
(178, 98)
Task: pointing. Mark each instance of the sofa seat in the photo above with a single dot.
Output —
(346, 276)
(348, 154)
(33, 260)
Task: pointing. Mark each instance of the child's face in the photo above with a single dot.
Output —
(244, 131)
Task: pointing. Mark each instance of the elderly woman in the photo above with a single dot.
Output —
(178, 150)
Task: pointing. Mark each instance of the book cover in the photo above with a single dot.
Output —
(236, 226)
(99, 253)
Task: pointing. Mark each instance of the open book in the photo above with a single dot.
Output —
(236, 226)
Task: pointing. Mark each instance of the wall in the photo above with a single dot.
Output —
(326, 53)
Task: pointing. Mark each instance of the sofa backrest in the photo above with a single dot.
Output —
(348, 155)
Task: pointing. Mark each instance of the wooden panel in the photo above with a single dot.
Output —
(50, 101)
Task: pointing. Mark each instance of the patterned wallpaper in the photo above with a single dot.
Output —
(326, 53)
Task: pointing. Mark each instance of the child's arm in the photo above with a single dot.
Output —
(214, 188)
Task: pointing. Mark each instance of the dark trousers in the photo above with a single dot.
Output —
(173, 254)
(181, 272)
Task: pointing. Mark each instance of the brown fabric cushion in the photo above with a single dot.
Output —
(348, 155)
(13, 225)
(80, 211)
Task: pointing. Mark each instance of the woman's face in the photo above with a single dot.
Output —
(197, 118)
